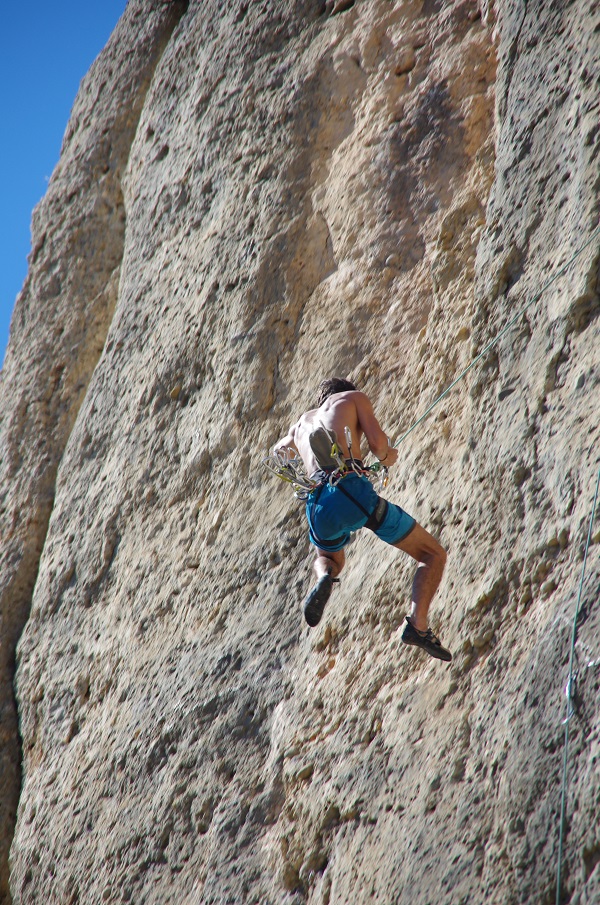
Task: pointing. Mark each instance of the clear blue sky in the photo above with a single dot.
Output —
(48, 47)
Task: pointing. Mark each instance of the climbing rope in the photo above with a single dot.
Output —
(499, 336)
(569, 705)
(570, 682)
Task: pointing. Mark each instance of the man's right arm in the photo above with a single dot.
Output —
(376, 438)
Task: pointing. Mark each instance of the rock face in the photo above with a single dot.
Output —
(252, 196)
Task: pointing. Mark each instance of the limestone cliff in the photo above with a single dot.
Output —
(251, 196)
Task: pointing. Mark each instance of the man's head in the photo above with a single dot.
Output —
(332, 385)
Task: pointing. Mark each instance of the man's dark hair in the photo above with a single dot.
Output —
(332, 385)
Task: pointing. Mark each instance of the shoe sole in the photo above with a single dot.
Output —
(315, 603)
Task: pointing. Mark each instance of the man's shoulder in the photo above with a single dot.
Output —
(356, 396)
(348, 396)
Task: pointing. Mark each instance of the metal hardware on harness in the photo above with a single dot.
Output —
(286, 464)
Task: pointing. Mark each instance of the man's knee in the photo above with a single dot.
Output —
(433, 554)
(423, 547)
(442, 556)
(334, 559)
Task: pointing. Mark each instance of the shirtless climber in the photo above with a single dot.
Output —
(334, 511)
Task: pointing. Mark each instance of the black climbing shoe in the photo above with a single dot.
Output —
(426, 640)
(316, 600)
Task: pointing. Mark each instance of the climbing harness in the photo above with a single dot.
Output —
(569, 706)
(286, 464)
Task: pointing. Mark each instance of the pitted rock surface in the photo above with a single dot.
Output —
(251, 197)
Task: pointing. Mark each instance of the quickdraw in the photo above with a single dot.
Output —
(286, 464)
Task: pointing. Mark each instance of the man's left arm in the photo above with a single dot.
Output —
(287, 441)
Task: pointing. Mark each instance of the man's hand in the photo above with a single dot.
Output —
(390, 458)
(286, 442)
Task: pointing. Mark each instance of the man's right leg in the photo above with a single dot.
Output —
(328, 565)
(431, 557)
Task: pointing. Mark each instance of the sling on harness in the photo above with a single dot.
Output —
(374, 519)
(324, 445)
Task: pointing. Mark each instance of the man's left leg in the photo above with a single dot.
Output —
(327, 565)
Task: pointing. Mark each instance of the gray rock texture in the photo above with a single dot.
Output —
(252, 196)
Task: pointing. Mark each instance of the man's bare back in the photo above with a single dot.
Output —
(351, 409)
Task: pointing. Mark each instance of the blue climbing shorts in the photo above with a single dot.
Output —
(334, 513)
